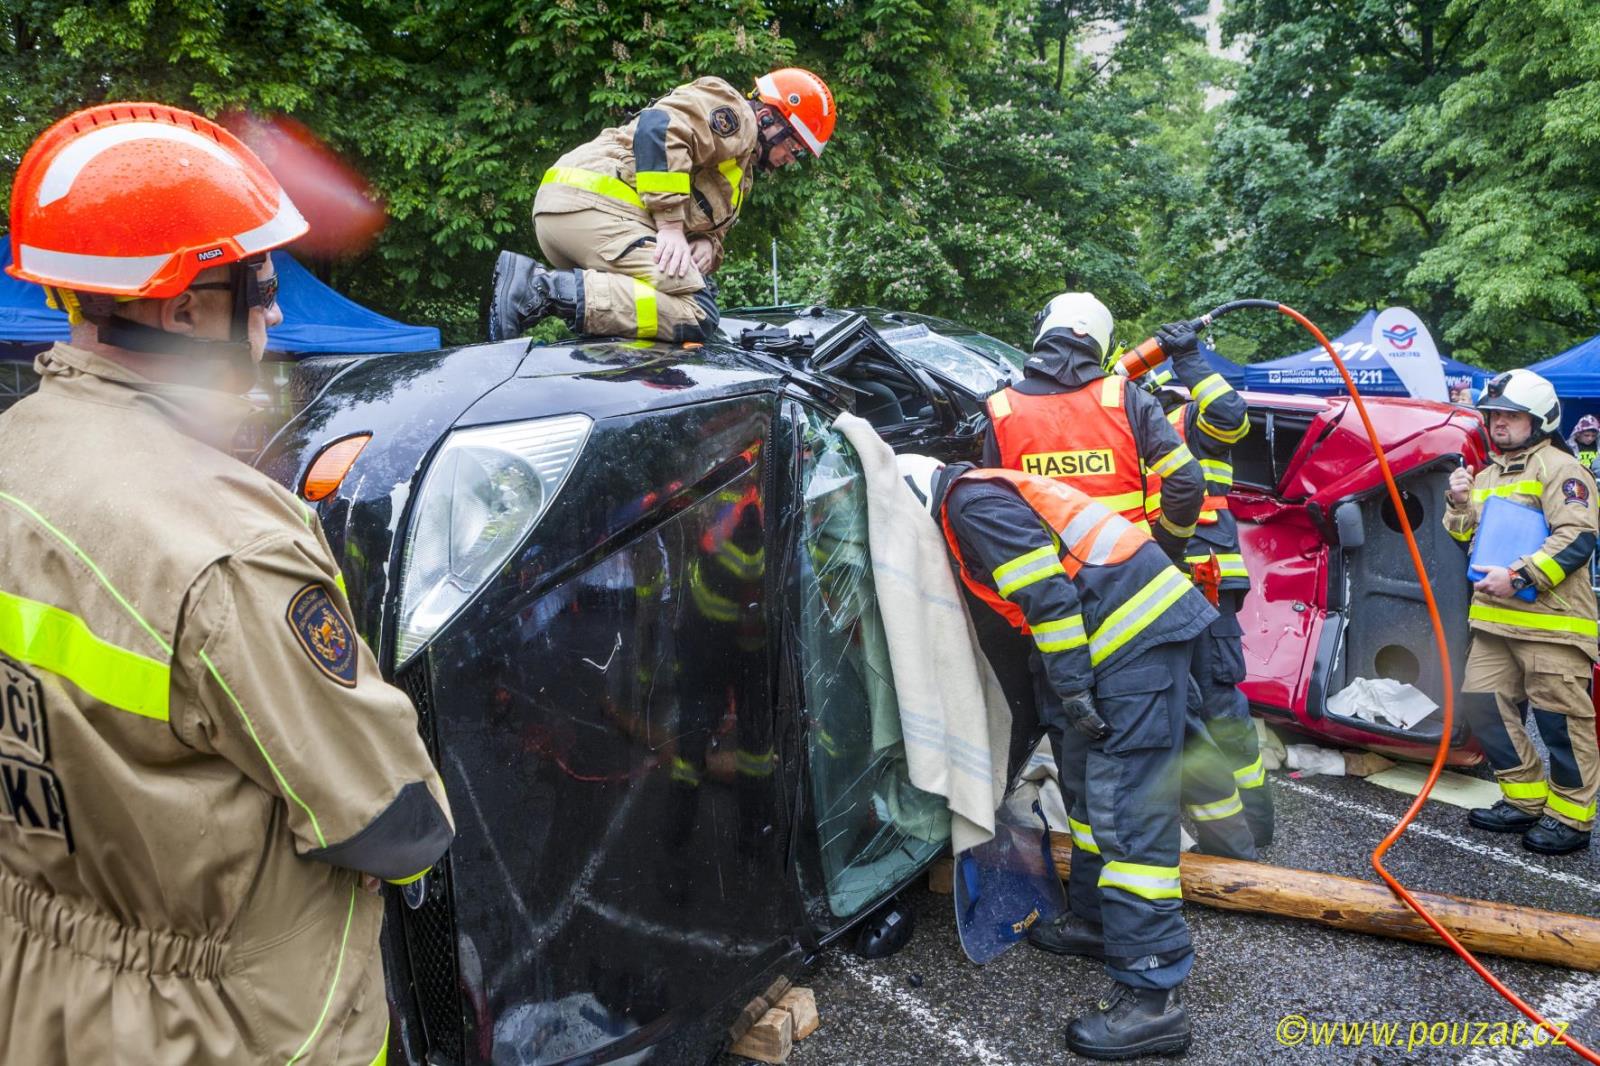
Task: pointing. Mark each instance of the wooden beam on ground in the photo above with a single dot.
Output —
(1549, 937)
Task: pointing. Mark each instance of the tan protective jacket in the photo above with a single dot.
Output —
(689, 157)
(1547, 478)
(197, 751)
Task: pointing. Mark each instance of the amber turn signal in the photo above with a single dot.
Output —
(331, 465)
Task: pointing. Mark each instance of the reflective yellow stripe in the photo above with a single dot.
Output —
(644, 307)
(1562, 805)
(1229, 564)
(1176, 530)
(1462, 535)
(1549, 566)
(1026, 569)
(1111, 391)
(661, 181)
(1082, 835)
(999, 405)
(1513, 488)
(1215, 812)
(1129, 620)
(1252, 776)
(684, 771)
(338, 583)
(383, 1051)
(1550, 623)
(1064, 634)
(1525, 790)
(338, 968)
(1150, 882)
(1122, 501)
(734, 173)
(1172, 461)
(38, 634)
(1218, 472)
(591, 181)
(1209, 389)
(755, 764)
(1225, 436)
(419, 875)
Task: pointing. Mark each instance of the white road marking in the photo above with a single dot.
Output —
(1566, 1002)
(1476, 847)
(972, 1048)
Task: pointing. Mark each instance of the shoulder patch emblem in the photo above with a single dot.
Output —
(1575, 491)
(724, 121)
(324, 634)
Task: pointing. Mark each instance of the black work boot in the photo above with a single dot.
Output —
(1131, 1023)
(1069, 935)
(1501, 818)
(1550, 837)
(525, 291)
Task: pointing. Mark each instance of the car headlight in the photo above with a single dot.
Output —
(484, 493)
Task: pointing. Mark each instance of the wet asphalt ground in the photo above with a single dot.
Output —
(929, 1006)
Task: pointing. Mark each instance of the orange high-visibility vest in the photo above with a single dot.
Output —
(1089, 533)
(1216, 498)
(1080, 438)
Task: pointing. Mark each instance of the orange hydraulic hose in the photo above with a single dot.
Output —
(1449, 712)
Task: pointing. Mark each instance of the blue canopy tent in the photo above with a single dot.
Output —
(1311, 372)
(1575, 373)
(316, 319)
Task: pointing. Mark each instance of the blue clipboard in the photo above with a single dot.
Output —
(1506, 532)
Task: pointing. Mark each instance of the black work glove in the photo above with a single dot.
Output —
(1084, 715)
(1174, 546)
(1178, 339)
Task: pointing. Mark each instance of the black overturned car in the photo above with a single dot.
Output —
(627, 589)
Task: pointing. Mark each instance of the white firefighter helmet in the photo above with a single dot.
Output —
(921, 473)
(1083, 314)
(1524, 391)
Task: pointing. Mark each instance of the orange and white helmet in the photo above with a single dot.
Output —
(135, 199)
(805, 102)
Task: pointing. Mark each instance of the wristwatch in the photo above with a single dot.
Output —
(1519, 580)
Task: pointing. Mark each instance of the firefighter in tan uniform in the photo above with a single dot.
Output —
(634, 220)
(204, 773)
(1541, 652)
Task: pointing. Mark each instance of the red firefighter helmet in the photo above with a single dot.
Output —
(804, 101)
(136, 199)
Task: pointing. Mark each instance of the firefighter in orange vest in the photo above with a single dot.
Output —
(1070, 420)
(1211, 419)
(1110, 619)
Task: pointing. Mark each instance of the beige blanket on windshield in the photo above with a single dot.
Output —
(953, 714)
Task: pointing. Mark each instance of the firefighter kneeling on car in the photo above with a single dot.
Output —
(1542, 652)
(1110, 619)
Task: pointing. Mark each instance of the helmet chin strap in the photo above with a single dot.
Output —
(220, 358)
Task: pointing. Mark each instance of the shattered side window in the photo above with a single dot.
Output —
(874, 827)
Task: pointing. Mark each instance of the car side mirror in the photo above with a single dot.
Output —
(1347, 520)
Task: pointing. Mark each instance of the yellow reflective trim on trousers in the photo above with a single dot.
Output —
(1172, 461)
(1512, 488)
(1252, 776)
(1218, 472)
(644, 308)
(1561, 805)
(1150, 882)
(595, 182)
(1026, 569)
(1122, 501)
(1549, 566)
(1551, 623)
(1129, 620)
(1063, 634)
(338, 968)
(383, 1052)
(661, 181)
(1082, 835)
(250, 728)
(733, 173)
(38, 634)
(1525, 790)
(1215, 812)
(1224, 436)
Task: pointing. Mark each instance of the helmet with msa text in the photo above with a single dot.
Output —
(1525, 392)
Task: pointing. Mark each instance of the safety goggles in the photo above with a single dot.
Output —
(259, 292)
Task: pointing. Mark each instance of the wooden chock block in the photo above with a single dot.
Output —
(801, 1005)
(942, 877)
(776, 989)
(769, 1040)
